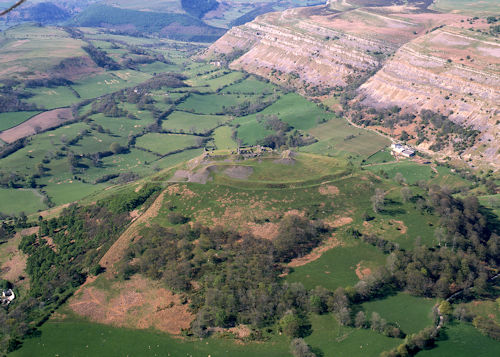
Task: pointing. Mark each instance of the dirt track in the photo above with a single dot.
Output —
(115, 253)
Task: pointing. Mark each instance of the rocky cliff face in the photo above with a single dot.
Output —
(315, 46)
(452, 71)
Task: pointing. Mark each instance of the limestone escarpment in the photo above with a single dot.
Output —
(314, 46)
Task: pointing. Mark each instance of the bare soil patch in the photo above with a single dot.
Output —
(267, 230)
(316, 253)
(136, 303)
(239, 172)
(339, 222)
(400, 226)
(329, 190)
(362, 272)
(38, 123)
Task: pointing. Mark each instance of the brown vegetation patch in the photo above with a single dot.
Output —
(267, 230)
(316, 253)
(136, 303)
(400, 226)
(339, 222)
(362, 272)
(38, 123)
(329, 190)
(14, 268)
(295, 212)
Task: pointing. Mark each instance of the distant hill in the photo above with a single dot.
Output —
(44, 12)
(175, 26)
(199, 8)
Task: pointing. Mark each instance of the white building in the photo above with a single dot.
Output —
(402, 150)
(7, 297)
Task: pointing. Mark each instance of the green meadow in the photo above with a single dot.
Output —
(463, 340)
(410, 313)
(80, 339)
(11, 119)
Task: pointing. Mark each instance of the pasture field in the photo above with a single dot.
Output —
(193, 123)
(251, 85)
(250, 131)
(82, 338)
(223, 138)
(216, 80)
(337, 137)
(211, 103)
(380, 157)
(483, 7)
(51, 98)
(97, 142)
(410, 313)
(11, 119)
(463, 340)
(71, 191)
(331, 339)
(15, 201)
(122, 126)
(337, 267)
(28, 48)
(100, 84)
(166, 143)
(410, 170)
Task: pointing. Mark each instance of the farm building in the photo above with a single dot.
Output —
(403, 150)
(7, 297)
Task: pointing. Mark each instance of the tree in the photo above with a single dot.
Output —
(299, 348)
(378, 200)
(376, 322)
(399, 178)
(291, 324)
(344, 316)
(360, 320)
(406, 194)
(116, 148)
(445, 308)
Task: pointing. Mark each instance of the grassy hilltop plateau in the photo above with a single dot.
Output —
(250, 178)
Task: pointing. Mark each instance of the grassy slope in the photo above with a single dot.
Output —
(88, 339)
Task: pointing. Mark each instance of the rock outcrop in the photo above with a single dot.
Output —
(452, 71)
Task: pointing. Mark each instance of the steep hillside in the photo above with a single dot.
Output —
(452, 71)
(317, 48)
(170, 25)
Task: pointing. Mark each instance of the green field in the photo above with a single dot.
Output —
(337, 267)
(410, 313)
(468, 7)
(210, 103)
(251, 86)
(166, 143)
(15, 201)
(463, 340)
(12, 119)
(193, 123)
(97, 85)
(80, 339)
(331, 339)
(223, 138)
(50, 98)
(337, 137)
